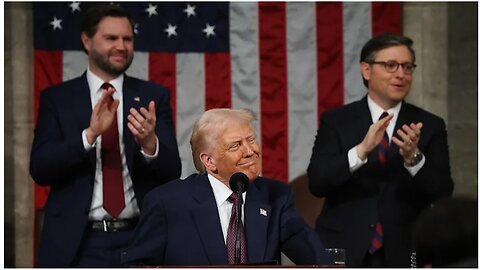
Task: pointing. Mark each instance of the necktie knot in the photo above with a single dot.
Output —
(233, 198)
(384, 114)
(106, 85)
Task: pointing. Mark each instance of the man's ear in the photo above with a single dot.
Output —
(208, 162)
(365, 70)
(85, 41)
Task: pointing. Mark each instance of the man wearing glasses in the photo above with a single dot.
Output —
(379, 161)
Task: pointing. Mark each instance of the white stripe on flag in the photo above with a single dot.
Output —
(74, 64)
(357, 29)
(244, 59)
(302, 85)
(190, 103)
(139, 67)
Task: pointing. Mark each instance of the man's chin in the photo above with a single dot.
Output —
(119, 67)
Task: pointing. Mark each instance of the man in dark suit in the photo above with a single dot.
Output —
(446, 234)
(99, 166)
(186, 222)
(377, 175)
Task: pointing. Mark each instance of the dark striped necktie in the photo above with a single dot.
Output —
(232, 231)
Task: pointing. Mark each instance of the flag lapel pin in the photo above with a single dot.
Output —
(263, 212)
(137, 99)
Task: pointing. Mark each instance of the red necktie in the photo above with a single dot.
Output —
(232, 231)
(377, 240)
(113, 198)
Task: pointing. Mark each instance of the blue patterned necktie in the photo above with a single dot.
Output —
(384, 144)
(377, 240)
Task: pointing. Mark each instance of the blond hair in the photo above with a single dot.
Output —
(210, 126)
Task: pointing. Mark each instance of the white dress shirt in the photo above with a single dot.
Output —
(131, 207)
(221, 193)
(376, 111)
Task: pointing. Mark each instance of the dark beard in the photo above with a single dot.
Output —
(103, 64)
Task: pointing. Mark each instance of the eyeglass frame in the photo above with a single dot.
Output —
(384, 64)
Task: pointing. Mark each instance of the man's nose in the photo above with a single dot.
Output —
(400, 72)
(120, 44)
(248, 150)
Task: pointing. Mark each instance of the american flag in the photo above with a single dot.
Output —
(286, 61)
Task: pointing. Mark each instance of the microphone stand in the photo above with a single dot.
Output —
(239, 224)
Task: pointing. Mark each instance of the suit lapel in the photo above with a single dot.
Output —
(207, 221)
(81, 103)
(131, 99)
(257, 216)
(404, 117)
(362, 124)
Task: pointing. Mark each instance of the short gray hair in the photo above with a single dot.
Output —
(208, 128)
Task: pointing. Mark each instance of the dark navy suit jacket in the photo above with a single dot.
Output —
(59, 159)
(180, 225)
(356, 202)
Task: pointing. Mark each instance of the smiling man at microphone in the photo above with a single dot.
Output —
(195, 221)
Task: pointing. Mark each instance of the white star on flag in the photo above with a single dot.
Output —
(209, 30)
(135, 29)
(151, 10)
(190, 10)
(56, 23)
(171, 30)
(75, 6)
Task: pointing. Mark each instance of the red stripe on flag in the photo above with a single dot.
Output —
(47, 71)
(273, 84)
(329, 56)
(162, 68)
(386, 18)
(218, 82)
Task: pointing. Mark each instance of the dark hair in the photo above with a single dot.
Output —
(383, 41)
(446, 235)
(91, 18)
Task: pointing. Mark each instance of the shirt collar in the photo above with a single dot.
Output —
(376, 110)
(94, 82)
(220, 190)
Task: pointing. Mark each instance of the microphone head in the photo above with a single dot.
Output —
(239, 182)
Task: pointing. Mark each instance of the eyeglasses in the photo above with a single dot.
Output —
(392, 66)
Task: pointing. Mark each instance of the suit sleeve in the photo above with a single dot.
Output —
(434, 180)
(55, 153)
(328, 168)
(148, 245)
(298, 241)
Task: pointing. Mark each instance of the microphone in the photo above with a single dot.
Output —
(239, 184)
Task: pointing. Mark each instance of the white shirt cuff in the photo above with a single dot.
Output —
(86, 145)
(354, 161)
(414, 170)
(148, 157)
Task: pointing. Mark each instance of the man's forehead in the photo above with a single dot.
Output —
(238, 133)
(394, 50)
(113, 23)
